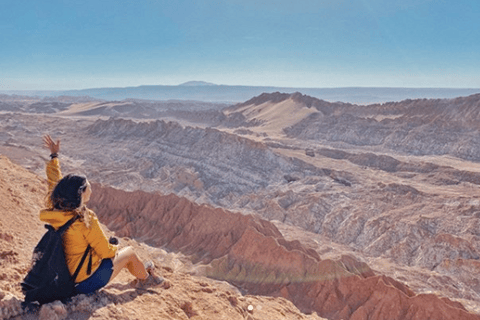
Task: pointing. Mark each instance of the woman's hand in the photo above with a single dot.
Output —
(53, 146)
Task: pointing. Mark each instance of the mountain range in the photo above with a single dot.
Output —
(205, 91)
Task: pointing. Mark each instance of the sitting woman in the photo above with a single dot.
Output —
(67, 198)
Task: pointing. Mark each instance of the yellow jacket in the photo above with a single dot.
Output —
(78, 236)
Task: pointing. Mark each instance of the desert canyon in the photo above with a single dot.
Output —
(281, 207)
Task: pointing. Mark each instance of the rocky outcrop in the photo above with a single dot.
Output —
(419, 127)
(31, 105)
(441, 175)
(252, 254)
(225, 163)
(324, 107)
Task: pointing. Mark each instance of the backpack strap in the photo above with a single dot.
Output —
(62, 230)
(89, 268)
(75, 275)
(67, 225)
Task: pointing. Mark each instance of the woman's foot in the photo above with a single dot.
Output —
(151, 279)
(149, 266)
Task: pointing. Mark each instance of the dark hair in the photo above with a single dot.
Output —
(67, 194)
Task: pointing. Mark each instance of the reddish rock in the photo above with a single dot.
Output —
(252, 254)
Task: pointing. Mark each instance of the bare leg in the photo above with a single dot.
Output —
(127, 258)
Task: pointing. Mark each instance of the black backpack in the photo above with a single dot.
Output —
(49, 278)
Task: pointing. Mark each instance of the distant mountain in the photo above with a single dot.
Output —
(204, 91)
(196, 83)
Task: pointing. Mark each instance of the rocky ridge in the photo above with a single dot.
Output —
(220, 163)
(417, 127)
(130, 108)
(316, 199)
(252, 254)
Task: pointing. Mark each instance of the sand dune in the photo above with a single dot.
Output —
(274, 117)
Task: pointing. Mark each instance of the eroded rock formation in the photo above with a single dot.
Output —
(252, 254)
(360, 186)
(419, 127)
(225, 163)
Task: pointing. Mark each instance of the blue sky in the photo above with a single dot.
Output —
(68, 44)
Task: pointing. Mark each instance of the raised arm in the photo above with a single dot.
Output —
(54, 174)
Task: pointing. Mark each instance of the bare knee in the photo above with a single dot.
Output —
(127, 251)
(124, 256)
(127, 258)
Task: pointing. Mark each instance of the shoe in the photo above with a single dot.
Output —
(155, 280)
(149, 266)
(151, 279)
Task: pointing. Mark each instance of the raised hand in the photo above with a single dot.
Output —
(53, 146)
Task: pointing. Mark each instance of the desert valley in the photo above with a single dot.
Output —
(284, 206)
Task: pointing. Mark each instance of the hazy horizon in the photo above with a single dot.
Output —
(238, 85)
(60, 45)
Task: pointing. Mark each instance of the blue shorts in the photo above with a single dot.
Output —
(98, 279)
